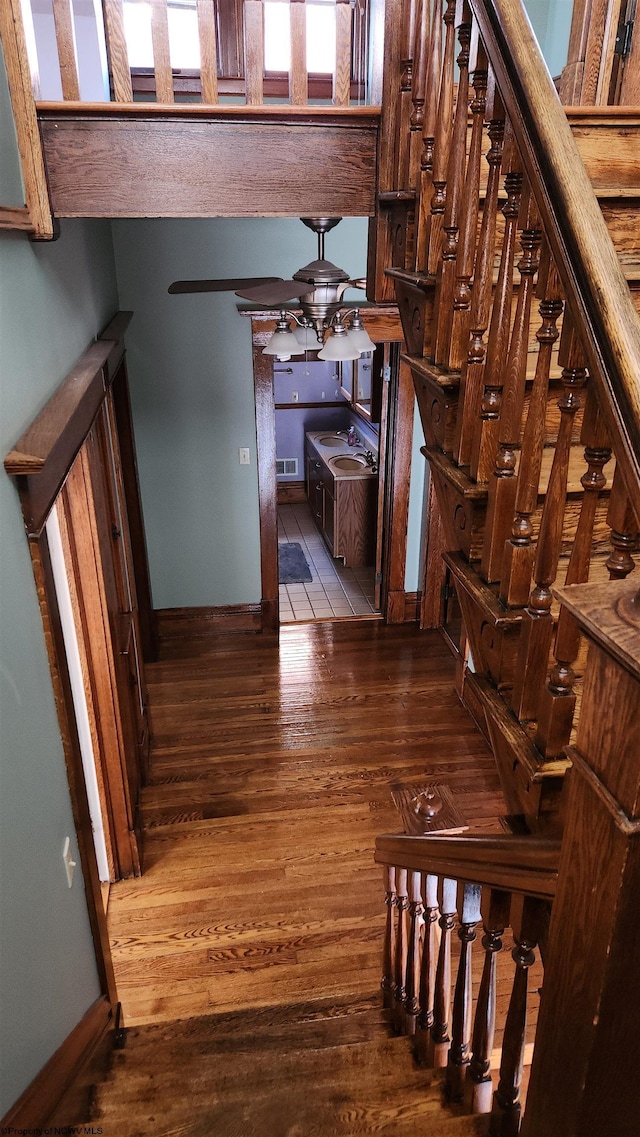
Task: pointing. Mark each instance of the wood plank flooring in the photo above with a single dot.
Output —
(248, 955)
(270, 778)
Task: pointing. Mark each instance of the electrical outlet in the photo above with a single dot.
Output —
(295, 397)
(69, 863)
(323, 396)
(244, 456)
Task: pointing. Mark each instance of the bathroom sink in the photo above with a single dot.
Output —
(332, 440)
(349, 463)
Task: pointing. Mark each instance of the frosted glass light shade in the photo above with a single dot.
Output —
(283, 342)
(359, 336)
(307, 338)
(338, 346)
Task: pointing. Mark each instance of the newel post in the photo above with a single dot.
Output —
(584, 1079)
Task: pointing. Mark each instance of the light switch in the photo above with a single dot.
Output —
(243, 453)
(69, 863)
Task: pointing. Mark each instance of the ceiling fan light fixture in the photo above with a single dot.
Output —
(283, 342)
(307, 337)
(338, 346)
(358, 334)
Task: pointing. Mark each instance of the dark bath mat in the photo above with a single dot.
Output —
(292, 564)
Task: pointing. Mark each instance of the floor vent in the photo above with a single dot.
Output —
(288, 466)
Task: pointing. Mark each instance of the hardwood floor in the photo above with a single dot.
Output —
(248, 955)
(270, 778)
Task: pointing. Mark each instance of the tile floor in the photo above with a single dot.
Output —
(334, 591)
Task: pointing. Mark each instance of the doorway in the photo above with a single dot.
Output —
(387, 565)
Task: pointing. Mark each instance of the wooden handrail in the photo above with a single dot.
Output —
(526, 865)
(597, 291)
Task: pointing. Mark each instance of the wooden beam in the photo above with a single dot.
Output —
(101, 167)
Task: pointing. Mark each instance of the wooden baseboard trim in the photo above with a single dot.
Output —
(291, 493)
(412, 602)
(402, 607)
(41, 1098)
(185, 623)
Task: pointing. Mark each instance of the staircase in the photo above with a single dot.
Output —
(308, 1070)
(513, 308)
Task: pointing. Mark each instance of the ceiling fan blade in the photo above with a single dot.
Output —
(277, 294)
(181, 286)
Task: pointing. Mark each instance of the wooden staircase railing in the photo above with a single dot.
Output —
(524, 343)
(523, 338)
(433, 884)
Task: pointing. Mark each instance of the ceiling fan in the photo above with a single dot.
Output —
(318, 287)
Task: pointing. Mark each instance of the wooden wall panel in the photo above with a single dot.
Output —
(101, 167)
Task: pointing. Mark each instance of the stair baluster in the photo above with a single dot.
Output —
(389, 952)
(473, 370)
(503, 484)
(624, 531)
(442, 998)
(412, 1002)
(555, 717)
(460, 1052)
(401, 951)
(479, 1083)
(441, 144)
(420, 58)
(517, 568)
(429, 962)
(485, 439)
(459, 338)
(506, 1110)
(537, 624)
(445, 283)
(432, 86)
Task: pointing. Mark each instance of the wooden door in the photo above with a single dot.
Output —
(104, 612)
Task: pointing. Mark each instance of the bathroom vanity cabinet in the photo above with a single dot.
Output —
(342, 491)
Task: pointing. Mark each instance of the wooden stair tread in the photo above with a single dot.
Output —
(281, 1072)
(537, 768)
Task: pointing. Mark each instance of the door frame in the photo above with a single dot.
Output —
(40, 464)
(384, 326)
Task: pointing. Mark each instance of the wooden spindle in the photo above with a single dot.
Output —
(432, 87)
(479, 1084)
(253, 52)
(389, 953)
(161, 51)
(517, 569)
(412, 1001)
(624, 530)
(442, 997)
(445, 285)
(420, 57)
(298, 83)
(473, 369)
(208, 50)
(401, 951)
(342, 73)
(442, 137)
(66, 41)
(117, 51)
(459, 338)
(460, 1052)
(503, 485)
(485, 439)
(428, 965)
(505, 1113)
(557, 705)
(537, 624)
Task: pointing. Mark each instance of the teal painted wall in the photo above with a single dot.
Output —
(54, 298)
(551, 21)
(191, 377)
